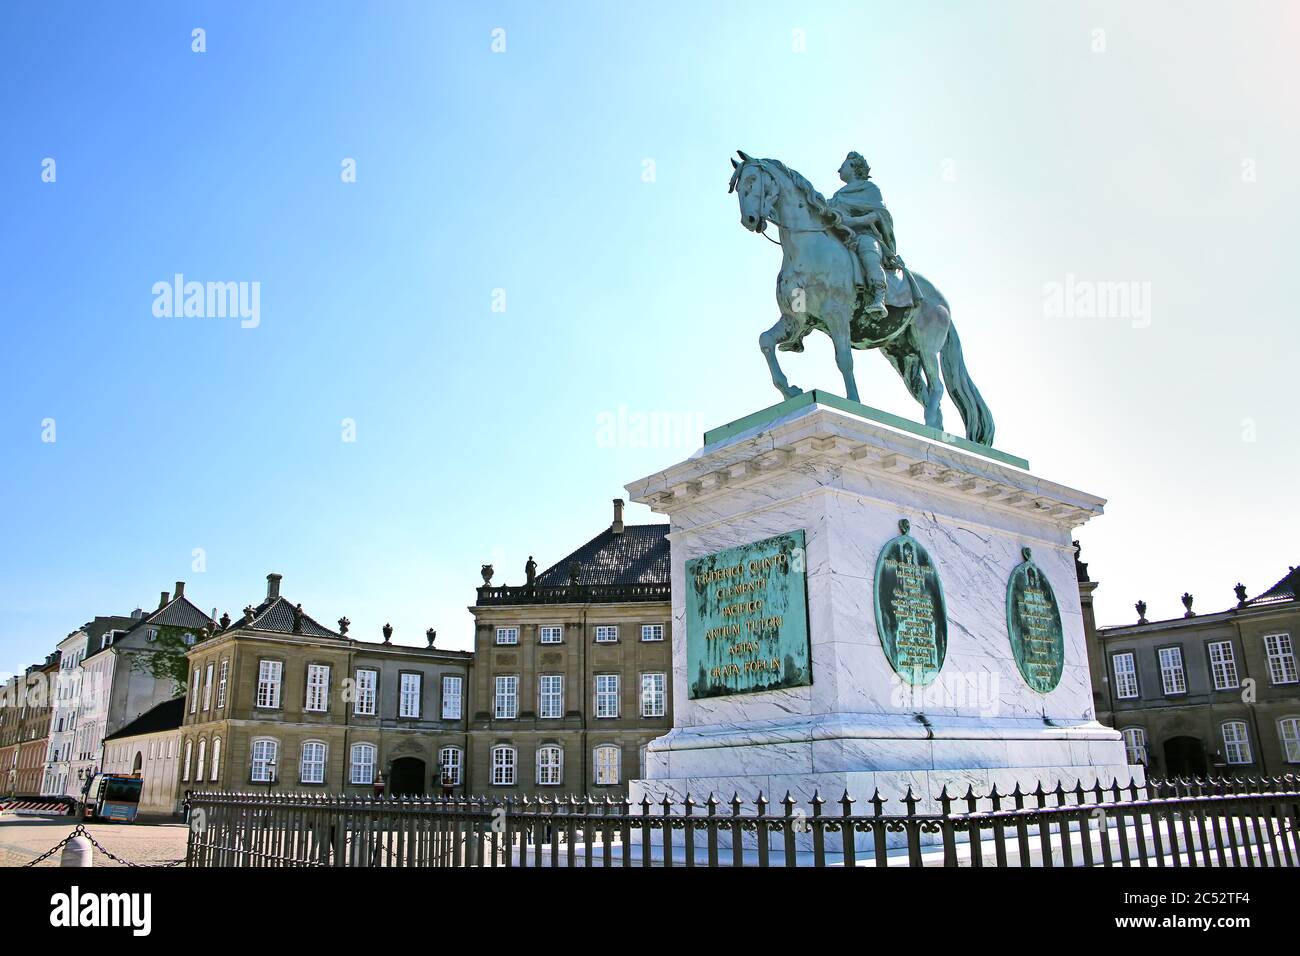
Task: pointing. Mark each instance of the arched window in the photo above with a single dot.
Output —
(1288, 730)
(363, 764)
(264, 753)
(606, 761)
(503, 766)
(550, 766)
(312, 767)
(1135, 744)
(451, 761)
(185, 765)
(203, 759)
(216, 758)
(1236, 742)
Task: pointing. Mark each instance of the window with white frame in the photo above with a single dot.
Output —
(409, 702)
(550, 634)
(507, 697)
(207, 685)
(363, 764)
(268, 683)
(311, 769)
(264, 753)
(1126, 679)
(1281, 658)
(1288, 730)
(451, 696)
(450, 760)
(1172, 676)
(652, 632)
(202, 760)
(606, 759)
(364, 702)
(1135, 744)
(507, 635)
(194, 693)
(503, 766)
(185, 763)
(318, 687)
(216, 758)
(606, 633)
(550, 696)
(223, 677)
(550, 766)
(606, 695)
(1223, 665)
(653, 694)
(1236, 742)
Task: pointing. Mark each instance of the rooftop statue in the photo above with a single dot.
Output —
(841, 274)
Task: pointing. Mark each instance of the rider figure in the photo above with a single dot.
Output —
(862, 209)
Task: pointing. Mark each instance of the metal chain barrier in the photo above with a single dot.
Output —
(82, 832)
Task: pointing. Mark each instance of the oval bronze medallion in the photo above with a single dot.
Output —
(1034, 626)
(910, 614)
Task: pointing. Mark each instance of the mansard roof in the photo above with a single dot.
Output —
(275, 616)
(1284, 590)
(637, 555)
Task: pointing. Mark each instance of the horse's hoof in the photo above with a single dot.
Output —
(792, 391)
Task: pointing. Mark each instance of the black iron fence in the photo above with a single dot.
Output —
(1215, 822)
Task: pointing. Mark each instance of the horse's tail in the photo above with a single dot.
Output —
(976, 415)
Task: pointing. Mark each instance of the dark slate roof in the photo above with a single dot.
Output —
(96, 629)
(639, 555)
(1284, 590)
(165, 716)
(180, 612)
(276, 616)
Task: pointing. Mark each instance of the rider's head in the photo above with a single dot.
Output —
(854, 167)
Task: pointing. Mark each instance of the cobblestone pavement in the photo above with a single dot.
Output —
(23, 838)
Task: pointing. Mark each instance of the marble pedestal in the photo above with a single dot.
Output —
(845, 475)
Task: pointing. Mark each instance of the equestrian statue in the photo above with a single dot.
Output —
(841, 274)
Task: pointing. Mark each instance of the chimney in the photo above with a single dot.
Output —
(162, 601)
(180, 589)
(617, 526)
(273, 586)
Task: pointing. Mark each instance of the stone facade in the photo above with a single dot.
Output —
(283, 702)
(1206, 693)
(572, 670)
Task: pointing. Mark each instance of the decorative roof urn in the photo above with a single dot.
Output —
(388, 633)
(1187, 603)
(1241, 594)
(1141, 608)
(487, 571)
(344, 624)
(431, 635)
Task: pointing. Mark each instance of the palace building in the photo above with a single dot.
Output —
(572, 669)
(279, 701)
(1215, 693)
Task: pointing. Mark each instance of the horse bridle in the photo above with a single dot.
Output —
(764, 215)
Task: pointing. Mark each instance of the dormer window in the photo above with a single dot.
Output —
(105, 641)
(188, 639)
(152, 634)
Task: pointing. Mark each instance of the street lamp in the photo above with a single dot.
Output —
(270, 777)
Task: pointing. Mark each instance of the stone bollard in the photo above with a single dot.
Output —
(78, 852)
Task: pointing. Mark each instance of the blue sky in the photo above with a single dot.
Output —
(583, 171)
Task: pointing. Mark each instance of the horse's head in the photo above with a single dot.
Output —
(756, 189)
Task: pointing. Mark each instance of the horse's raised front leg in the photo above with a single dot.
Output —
(767, 342)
